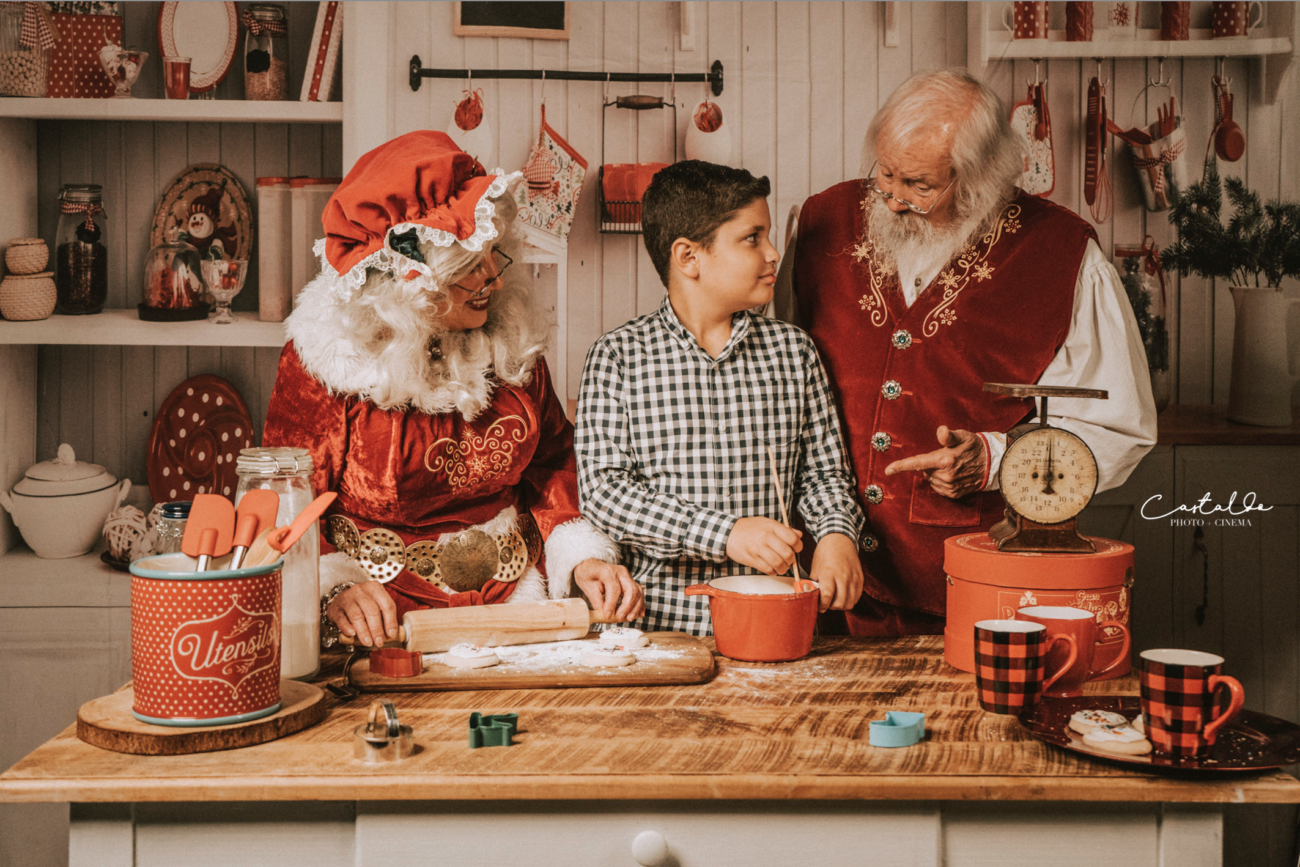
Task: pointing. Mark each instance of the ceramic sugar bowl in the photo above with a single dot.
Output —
(60, 505)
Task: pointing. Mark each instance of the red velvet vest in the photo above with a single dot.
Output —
(998, 312)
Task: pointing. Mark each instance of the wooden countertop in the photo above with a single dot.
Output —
(797, 730)
(1187, 424)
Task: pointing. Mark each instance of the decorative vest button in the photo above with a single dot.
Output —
(869, 543)
(901, 339)
(880, 441)
(892, 390)
(875, 495)
(917, 284)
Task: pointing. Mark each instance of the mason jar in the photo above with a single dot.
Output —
(168, 520)
(80, 250)
(266, 52)
(287, 472)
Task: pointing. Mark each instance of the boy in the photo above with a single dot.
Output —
(678, 411)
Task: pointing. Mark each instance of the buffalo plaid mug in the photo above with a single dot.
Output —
(1179, 692)
(1010, 660)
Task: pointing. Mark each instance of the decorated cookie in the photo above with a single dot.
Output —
(1122, 739)
(471, 656)
(608, 657)
(624, 636)
(1085, 721)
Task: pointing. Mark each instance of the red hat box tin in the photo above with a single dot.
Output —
(987, 584)
(205, 646)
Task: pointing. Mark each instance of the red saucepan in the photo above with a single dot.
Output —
(755, 624)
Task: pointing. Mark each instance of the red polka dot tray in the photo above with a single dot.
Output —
(196, 437)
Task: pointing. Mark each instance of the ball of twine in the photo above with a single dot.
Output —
(124, 530)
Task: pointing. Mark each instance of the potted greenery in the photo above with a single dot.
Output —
(1253, 248)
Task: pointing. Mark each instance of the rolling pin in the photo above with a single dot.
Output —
(437, 629)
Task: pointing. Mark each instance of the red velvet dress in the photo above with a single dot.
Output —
(998, 312)
(423, 475)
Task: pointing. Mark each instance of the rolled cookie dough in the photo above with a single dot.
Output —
(608, 657)
(471, 656)
(623, 636)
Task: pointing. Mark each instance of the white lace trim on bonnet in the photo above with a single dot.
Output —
(388, 259)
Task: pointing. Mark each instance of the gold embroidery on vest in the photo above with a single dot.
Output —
(875, 302)
(973, 262)
(476, 458)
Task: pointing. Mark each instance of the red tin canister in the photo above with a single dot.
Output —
(987, 584)
(205, 646)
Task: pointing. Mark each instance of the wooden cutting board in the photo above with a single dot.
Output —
(671, 657)
(107, 722)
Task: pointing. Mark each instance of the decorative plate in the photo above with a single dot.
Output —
(196, 438)
(209, 204)
(206, 32)
(1251, 742)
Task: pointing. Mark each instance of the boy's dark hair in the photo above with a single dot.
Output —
(690, 200)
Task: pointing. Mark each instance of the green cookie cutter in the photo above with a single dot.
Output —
(897, 729)
(492, 730)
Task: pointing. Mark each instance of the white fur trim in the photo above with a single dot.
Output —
(336, 569)
(568, 546)
(531, 587)
(388, 259)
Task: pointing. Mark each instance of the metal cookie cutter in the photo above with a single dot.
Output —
(897, 729)
(382, 738)
(492, 730)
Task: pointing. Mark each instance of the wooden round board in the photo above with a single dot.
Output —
(107, 723)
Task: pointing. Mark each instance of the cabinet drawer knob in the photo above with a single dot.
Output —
(650, 849)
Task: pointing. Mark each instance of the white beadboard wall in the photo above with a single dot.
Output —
(101, 399)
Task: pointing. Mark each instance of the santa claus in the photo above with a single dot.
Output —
(414, 376)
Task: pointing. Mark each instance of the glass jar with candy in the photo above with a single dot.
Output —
(81, 250)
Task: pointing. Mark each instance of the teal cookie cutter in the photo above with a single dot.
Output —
(492, 730)
(897, 729)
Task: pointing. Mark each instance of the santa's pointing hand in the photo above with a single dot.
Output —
(957, 469)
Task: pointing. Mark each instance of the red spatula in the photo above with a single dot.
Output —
(267, 547)
(209, 529)
(256, 513)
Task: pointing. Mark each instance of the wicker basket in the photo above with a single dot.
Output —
(27, 255)
(28, 296)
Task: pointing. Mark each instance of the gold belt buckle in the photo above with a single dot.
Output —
(464, 562)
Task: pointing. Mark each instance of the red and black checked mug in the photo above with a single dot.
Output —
(1010, 660)
(1179, 690)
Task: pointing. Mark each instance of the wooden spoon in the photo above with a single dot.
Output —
(780, 498)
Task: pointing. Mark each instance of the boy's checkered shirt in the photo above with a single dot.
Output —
(672, 450)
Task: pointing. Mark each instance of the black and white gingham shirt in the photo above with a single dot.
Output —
(672, 449)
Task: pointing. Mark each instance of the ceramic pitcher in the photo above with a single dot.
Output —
(1262, 378)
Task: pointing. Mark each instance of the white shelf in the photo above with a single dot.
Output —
(1147, 44)
(27, 581)
(125, 328)
(220, 110)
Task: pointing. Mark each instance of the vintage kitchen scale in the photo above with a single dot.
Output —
(1035, 555)
(1048, 475)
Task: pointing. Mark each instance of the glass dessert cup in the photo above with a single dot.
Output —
(123, 67)
(225, 277)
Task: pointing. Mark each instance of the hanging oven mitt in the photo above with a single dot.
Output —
(1096, 183)
(553, 178)
(1032, 123)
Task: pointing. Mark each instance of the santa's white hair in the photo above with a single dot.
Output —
(386, 344)
(986, 157)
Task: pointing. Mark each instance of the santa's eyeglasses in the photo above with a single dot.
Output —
(871, 185)
(500, 262)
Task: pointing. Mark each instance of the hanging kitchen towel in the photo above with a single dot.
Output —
(1033, 125)
(553, 178)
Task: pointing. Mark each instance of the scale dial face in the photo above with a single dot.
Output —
(1048, 475)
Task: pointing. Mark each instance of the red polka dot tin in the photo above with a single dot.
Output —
(205, 646)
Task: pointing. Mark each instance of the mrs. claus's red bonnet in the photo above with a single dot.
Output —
(419, 181)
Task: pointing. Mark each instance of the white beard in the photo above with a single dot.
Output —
(907, 242)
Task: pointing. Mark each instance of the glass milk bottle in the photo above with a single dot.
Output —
(287, 472)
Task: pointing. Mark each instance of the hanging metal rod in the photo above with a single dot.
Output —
(713, 76)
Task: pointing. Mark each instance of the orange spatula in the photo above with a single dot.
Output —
(209, 529)
(256, 512)
(281, 539)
